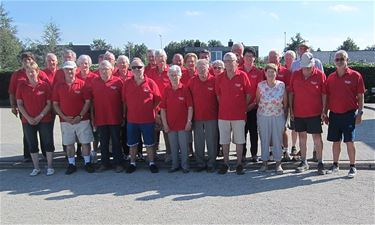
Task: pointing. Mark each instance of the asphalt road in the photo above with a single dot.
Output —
(194, 198)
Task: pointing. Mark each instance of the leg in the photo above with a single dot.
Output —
(31, 136)
(183, 139)
(211, 131)
(173, 141)
(116, 145)
(318, 144)
(238, 127)
(265, 137)
(46, 141)
(199, 143)
(253, 133)
(104, 136)
(351, 152)
(302, 144)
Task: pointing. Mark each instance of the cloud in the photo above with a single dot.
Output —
(343, 8)
(192, 13)
(149, 29)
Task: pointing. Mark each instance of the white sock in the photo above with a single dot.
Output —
(86, 158)
(152, 163)
(132, 163)
(72, 160)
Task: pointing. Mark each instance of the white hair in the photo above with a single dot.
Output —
(124, 58)
(274, 51)
(106, 63)
(230, 55)
(136, 59)
(291, 53)
(203, 62)
(152, 51)
(50, 54)
(81, 58)
(160, 52)
(238, 45)
(173, 69)
(107, 54)
(69, 51)
(342, 53)
(219, 63)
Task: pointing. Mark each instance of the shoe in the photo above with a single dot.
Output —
(303, 166)
(191, 156)
(154, 168)
(279, 170)
(263, 168)
(200, 169)
(293, 151)
(352, 172)
(89, 168)
(119, 169)
(71, 169)
(239, 170)
(167, 158)
(35, 172)
(223, 169)
(321, 170)
(50, 171)
(211, 169)
(185, 171)
(220, 153)
(173, 170)
(93, 157)
(286, 157)
(131, 168)
(254, 159)
(103, 168)
(333, 169)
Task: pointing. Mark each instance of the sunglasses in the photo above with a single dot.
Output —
(137, 67)
(217, 67)
(339, 59)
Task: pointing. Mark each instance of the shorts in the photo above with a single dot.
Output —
(82, 130)
(311, 125)
(341, 125)
(134, 131)
(235, 126)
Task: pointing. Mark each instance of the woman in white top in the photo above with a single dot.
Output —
(271, 98)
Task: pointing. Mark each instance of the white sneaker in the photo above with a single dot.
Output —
(50, 171)
(35, 172)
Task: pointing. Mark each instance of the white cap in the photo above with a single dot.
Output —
(307, 60)
(69, 65)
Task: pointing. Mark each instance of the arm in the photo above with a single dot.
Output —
(189, 118)
(44, 112)
(163, 115)
(67, 119)
(13, 104)
(324, 116)
(291, 98)
(358, 118)
(84, 110)
(22, 110)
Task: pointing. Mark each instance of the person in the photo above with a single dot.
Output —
(306, 107)
(344, 94)
(202, 88)
(176, 114)
(289, 58)
(72, 103)
(302, 48)
(68, 55)
(255, 76)
(107, 113)
(191, 70)
(141, 97)
(150, 54)
(283, 75)
(110, 57)
(205, 54)
(238, 49)
(51, 67)
(123, 68)
(271, 97)
(100, 59)
(233, 94)
(33, 101)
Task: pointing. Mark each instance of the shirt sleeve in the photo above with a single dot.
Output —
(361, 85)
(189, 99)
(13, 84)
(163, 103)
(18, 94)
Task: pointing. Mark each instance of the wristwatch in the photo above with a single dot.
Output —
(360, 112)
(80, 116)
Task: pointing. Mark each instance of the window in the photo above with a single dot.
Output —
(215, 55)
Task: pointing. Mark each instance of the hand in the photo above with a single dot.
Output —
(76, 120)
(15, 111)
(291, 115)
(158, 120)
(358, 119)
(324, 118)
(188, 126)
(166, 129)
(38, 118)
(68, 119)
(31, 120)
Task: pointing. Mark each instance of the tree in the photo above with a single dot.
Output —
(348, 45)
(51, 38)
(179, 47)
(295, 41)
(136, 50)
(370, 48)
(10, 46)
(215, 43)
(100, 44)
(117, 51)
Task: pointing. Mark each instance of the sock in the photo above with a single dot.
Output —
(352, 165)
(72, 160)
(132, 163)
(336, 164)
(86, 158)
(152, 163)
(320, 161)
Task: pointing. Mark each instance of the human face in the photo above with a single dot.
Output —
(273, 57)
(271, 75)
(161, 61)
(174, 78)
(238, 52)
(341, 61)
(84, 66)
(69, 57)
(105, 72)
(26, 61)
(70, 74)
(178, 60)
(307, 71)
(190, 63)
(288, 60)
(301, 49)
(122, 65)
(231, 64)
(202, 71)
(218, 69)
(151, 58)
(204, 55)
(249, 58)
(111, 59)
(51, 62)
(138, 69)
(32, 74)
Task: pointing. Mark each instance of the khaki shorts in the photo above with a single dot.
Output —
(235, 126)
(82, 131)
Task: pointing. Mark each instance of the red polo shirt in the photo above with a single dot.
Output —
(107, 101)
(342, 91)
(50, 75)
(88, 80)
(176, 104)
(141, 100)
(161, 79)
(34, 99)
(19, 77)
(129, 75)
(71, 98)
(204, 98)
(255, 76)
(308, 92)
(60, 76)
(148, 68)
(186, 76)
(232, 94)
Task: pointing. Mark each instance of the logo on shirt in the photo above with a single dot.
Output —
(181, 98)
(77, 92)
(314, 82)
(237, 84)
(254, 76)
(146, 90)
(210, 88)
(40, 93)
(114, 87)
(348, 82)
(280, 75)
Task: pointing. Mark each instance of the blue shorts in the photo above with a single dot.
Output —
(341, 124)
(134, 131)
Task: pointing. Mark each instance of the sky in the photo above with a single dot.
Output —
(325, 24)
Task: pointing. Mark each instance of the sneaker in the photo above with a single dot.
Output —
(239, 170)
(173, 170)
(35, 172)
(50, 171)
(279, 170)
(200, 169)
(220, 152)
(71, 169)
(131, 168)
(293, 151)
(89, 168)
(302, 167)
(185, 171)
(321, 170)
(286, 157)
(263, 168)
(254, 159)
(333, 169)
(352, 172)
(154, 168)
(223, 169)
(119, 169)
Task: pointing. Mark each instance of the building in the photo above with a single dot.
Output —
(328, 57)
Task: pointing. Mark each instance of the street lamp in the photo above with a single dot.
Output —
(161, 41)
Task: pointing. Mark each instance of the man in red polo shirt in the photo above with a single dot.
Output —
(202, 88)
(107, 111)
(238, 49)
(255, 76)
(51, 67)
(344, 95)
(205, 54)
(72, 103)
(140, 96)
(68, 55)
(233, 91)
(151, 61)
(305, 101)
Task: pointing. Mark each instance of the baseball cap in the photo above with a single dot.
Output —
(307, 60)
(69, 65)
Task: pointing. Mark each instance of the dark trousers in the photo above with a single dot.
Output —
(251, 127)
(45, 131)
(107, 132)
(26, 151)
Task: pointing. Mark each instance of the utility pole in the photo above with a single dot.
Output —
(161, 41)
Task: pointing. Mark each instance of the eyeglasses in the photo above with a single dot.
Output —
(339, 59)
(137, 67)
(217, 67)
